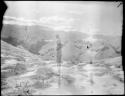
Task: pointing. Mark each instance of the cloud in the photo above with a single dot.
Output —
(18, 21)
(9, 17)
(55, 22)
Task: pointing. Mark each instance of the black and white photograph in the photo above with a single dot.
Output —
(62, 48)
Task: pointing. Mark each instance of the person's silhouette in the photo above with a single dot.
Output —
(58, 57)
(59, 50)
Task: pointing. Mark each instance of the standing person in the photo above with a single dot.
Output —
(59, 57)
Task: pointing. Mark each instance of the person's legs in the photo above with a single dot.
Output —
(59, 67)
(59, 76)
(59, 72)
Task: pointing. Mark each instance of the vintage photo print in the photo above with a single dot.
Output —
(62, 48)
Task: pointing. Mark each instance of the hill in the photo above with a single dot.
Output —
(36, 38)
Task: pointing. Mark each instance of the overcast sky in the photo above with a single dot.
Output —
(91, 17)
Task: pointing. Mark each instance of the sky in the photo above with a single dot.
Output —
(83, 16)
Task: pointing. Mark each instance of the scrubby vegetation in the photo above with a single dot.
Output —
(42, 77)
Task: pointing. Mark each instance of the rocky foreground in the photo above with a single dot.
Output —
(24, 73)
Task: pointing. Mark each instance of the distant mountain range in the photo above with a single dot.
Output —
(35, 37)
(30, 35)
